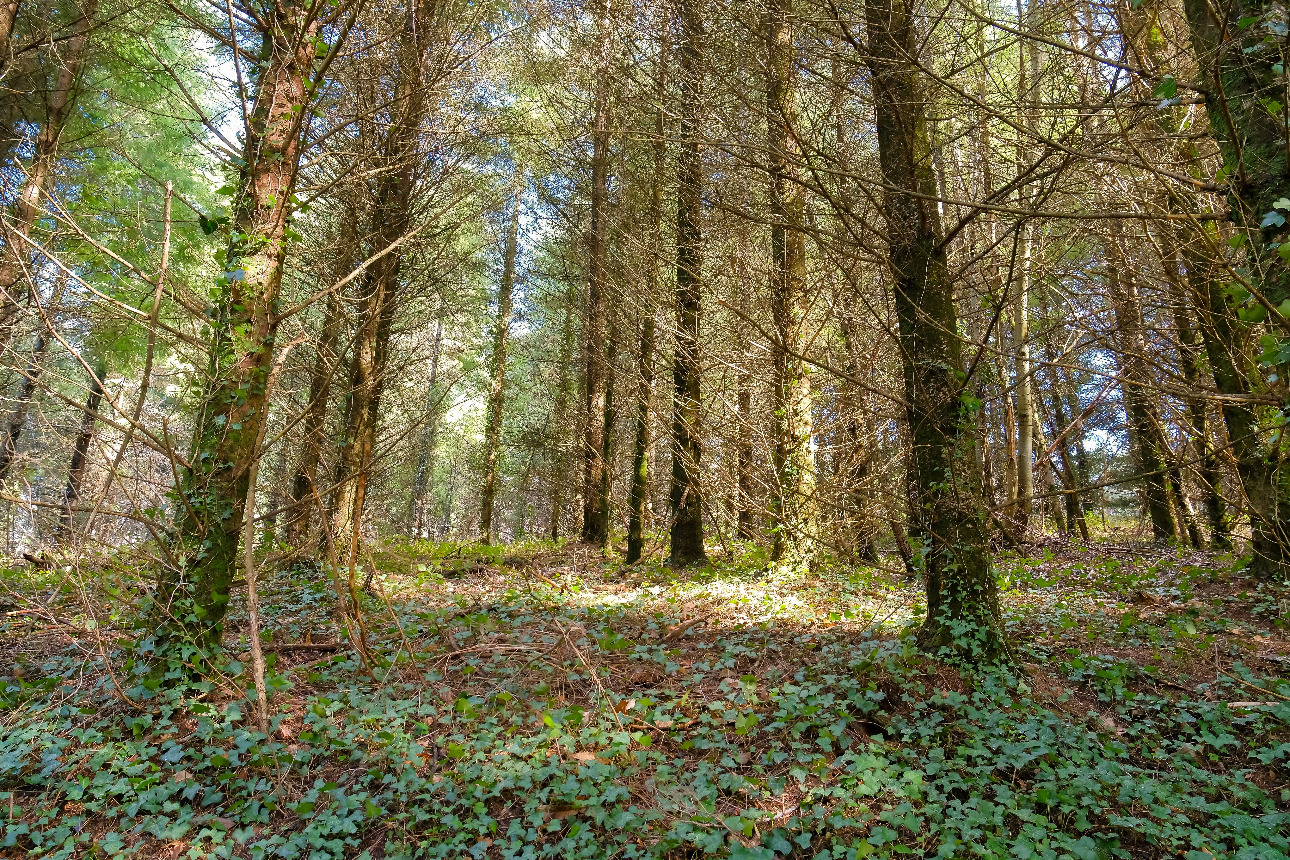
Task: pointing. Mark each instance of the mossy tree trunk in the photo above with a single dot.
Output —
(796, 526)
(193, 588)
(1240, 51)
(686, 494)
(497, 376)
(595, 527)
(948, 512)
(391, 220)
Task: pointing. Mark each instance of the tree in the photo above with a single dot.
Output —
(193, 588)
(948, 512)
(16, 258)
(795, 533)
(497, 375)
(687, 495)
(595, 525)
(1236, 55)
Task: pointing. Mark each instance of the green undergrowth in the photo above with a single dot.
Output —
(541, 722)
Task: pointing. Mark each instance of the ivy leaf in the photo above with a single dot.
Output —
(1253, 314)
(455, 750)
(1272, 218)
(614, 642)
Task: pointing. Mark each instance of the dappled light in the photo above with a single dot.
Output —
(763, 430)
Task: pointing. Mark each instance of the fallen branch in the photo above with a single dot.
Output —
(1254, 687)
(306, 646)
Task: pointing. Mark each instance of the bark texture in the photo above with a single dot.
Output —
(687, 497)
(497, 376)
(193, 590)
(796, 528)
(948, 513)
(15, 258)
(595, 526)
(1240, 79)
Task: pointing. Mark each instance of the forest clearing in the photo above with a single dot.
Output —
(645, 429)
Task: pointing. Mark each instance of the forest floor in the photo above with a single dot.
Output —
(543, 701)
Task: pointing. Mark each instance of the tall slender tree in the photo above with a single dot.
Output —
(193, 590)
(40, 174)
(392, 212)
(638, 495)
(497, 374)
(795, 503)
(687, 493)
(1242, 79)
(595, 526)
(947, 508)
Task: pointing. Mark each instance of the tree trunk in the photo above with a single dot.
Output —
(1049, 477)
(745, 515)
(639, 494)
(604, 495)
(304, 484)
(80, 455)
(1240, 82)
(1075, 518)
(16, 254)
(796, 527)
(686, 499)
(425, 457)
(948, 512)
(18, 417)
(686, 496)
(391, 220)
(1025, 395)
(30, 381)
(1026, 418)
(859, 522)
(559, 459)
(595, 527)
(1220, 521)
(1145, 438)
(1195, 355)
(8, 16)
(1006, 428)
(192, 595)
(497, 377)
